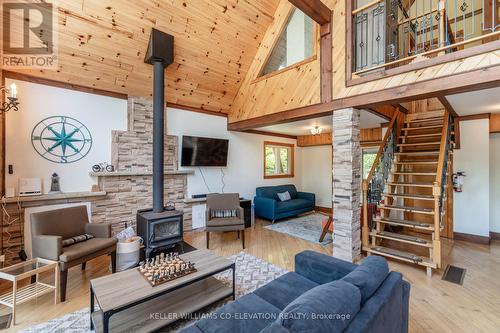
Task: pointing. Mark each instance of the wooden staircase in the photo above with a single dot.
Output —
(412, 203)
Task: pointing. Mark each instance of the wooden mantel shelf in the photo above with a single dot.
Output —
(56, 196)
(138, 173)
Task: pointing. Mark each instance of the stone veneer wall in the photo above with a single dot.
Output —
(131, 151)
(346, 184)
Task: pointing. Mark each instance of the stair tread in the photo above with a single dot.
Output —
(421, 184)
(421, 127)
(416, 144)
(408, 208)
(418, 162)
(409, 223)
(410, 196)
(402, 237)
(423, 152)
(403, 255)
(409, 173)
(422, 135)
(422, 120)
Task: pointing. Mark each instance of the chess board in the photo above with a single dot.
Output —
(164, 268)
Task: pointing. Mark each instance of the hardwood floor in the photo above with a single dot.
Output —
(435, 305)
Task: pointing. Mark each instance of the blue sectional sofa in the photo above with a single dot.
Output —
(323, 295)
(268, 205)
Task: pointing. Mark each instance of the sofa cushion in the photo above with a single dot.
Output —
(283, 290)
(272, 191)
(249, 313)
(224, 221)
(79, 250)
(294, 204)
(326, 308)
(368, 276)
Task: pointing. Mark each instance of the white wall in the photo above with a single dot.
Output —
(317, 173)
(100, 114)
(472, 206)
(244, 171)
(495, 182)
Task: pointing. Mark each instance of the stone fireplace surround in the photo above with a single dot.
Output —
(122, 192)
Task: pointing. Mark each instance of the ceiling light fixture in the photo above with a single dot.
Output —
(316, 130)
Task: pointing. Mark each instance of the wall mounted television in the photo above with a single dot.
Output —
(204, 152)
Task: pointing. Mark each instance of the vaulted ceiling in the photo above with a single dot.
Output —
(102, 45)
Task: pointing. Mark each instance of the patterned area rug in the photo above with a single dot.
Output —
(307, 227)
(251, 274)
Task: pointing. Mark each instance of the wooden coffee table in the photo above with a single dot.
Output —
(129, 303)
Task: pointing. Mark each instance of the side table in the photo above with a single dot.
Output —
(24, 270)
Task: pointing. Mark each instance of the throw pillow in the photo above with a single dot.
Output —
(368, 276)
(76, 239)
(221, 213)
(328, 307)
(285, 196)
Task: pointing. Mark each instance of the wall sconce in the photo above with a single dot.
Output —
(316, 130)
(12, 103)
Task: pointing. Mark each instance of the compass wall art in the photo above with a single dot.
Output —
(61, 139)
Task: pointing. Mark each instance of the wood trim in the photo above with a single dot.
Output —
(64, 85)
(193, 109)
(325, 210)
(278, 72)
(305, 112)
(326, 62)
(323, 139)
(447, 105)
(477, 79)
(442, 152)
(461, 54)
(495, 123)
(315, 9)
(494, 235)
(292, 159)
(368, 5)
(485, 240)
(474, 117)
(2, 144)
(456, 129)
(384, 111)
(279, 135)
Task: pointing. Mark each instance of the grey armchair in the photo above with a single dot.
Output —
(226, 201)
(49, 228)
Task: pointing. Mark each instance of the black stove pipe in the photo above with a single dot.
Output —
(158, 135)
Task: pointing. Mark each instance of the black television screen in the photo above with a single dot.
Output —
(198, 151)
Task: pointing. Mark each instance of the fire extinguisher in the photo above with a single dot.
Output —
(458, 181)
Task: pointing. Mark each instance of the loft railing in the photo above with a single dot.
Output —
(390, 33)
(439, 190)
(374, 184)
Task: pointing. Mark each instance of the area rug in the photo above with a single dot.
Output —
(307, 227)
(251, 274)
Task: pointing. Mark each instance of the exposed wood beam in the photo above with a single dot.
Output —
(447, 105)
(306, 112)
(326, 74)
(279, 135)
(495, 123)
(401, 108)
(315, 9)
(384, 111)
(474, 117)
(193, 109)
(64, 85)
(478, 79)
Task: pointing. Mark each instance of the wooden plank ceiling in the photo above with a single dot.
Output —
(102, 45)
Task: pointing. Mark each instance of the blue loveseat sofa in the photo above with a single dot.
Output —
(268, 205)
(323, 295)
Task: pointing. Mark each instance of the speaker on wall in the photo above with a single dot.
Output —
(160, 48)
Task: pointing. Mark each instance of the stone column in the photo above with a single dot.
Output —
(346, 184)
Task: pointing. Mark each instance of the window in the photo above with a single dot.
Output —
(295, 44)
(278, 160)
(368, 157)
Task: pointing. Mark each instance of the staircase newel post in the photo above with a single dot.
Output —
(436, 241)
(365, 229)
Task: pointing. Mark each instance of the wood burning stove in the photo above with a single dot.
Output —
(159, 230)
(158, 227)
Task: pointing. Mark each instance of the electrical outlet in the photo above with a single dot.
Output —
(2, 258)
